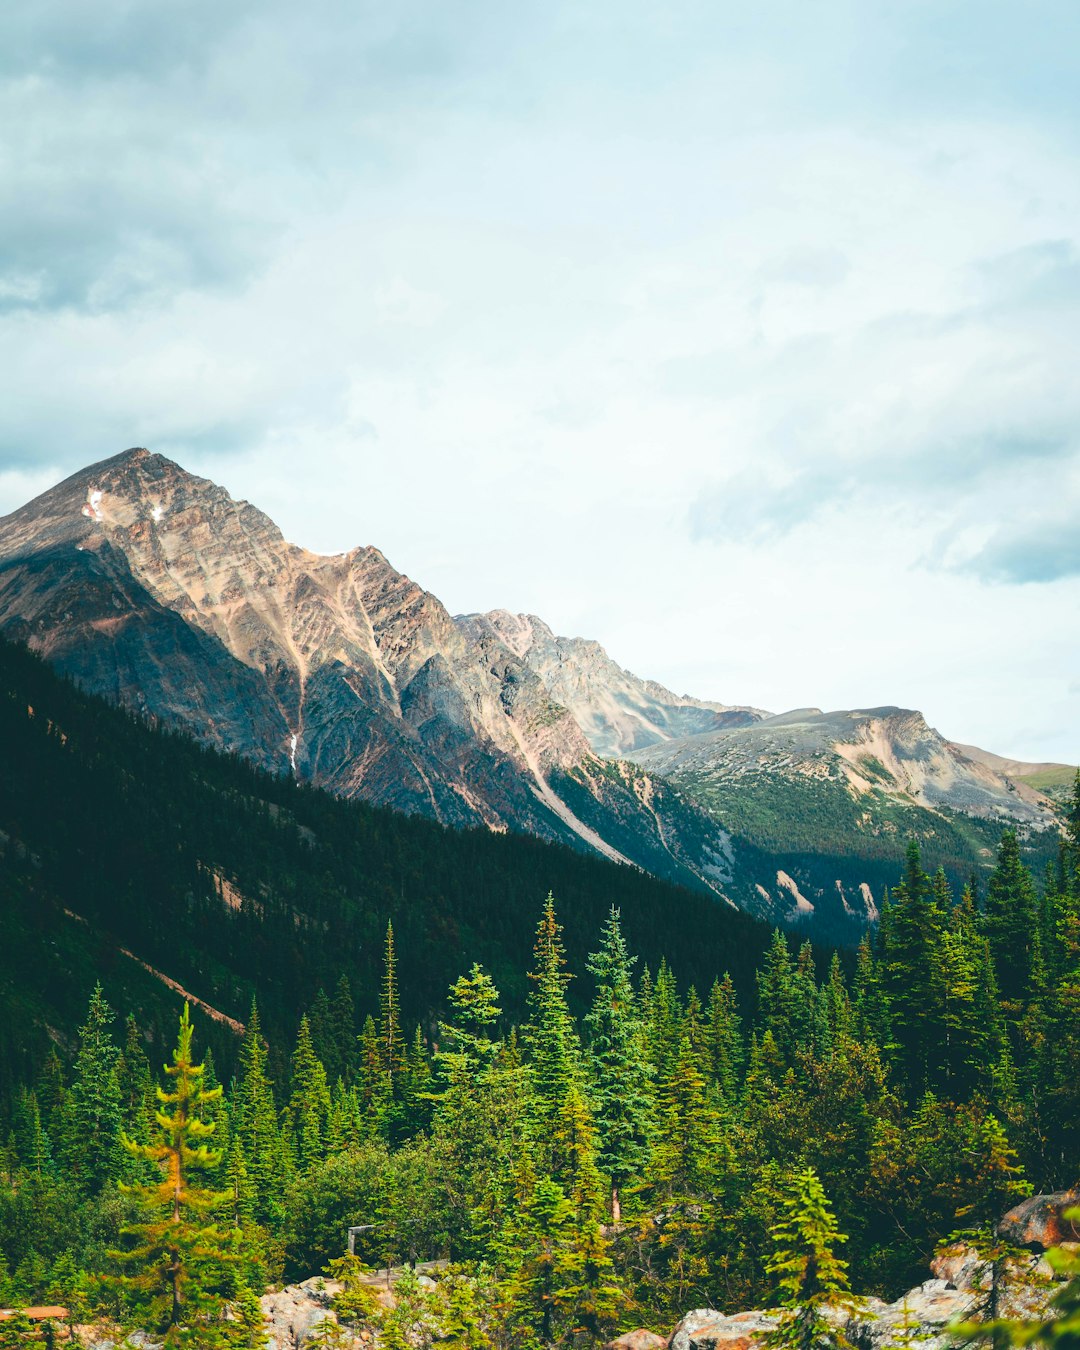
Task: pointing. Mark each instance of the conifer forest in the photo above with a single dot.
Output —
(605, 1150)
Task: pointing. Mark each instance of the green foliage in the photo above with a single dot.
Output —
(178, 1261)
(810, 1277)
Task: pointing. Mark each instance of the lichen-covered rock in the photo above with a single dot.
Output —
(1039, 1222)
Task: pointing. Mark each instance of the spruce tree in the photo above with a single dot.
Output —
(94, 1110)
(309, 1101)
(257, 1126)
(725, 1050)
(1011, 924)
(551, 1038)
(179, 1261)
(810, 1276)
(621, 1098)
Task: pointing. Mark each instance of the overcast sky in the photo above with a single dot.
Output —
(743, 338)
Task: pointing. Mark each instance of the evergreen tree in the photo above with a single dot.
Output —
(810, 1276)
(1011, 925)
(94, 1110)
(309, 1103)
(725, 1051)
(621, 1096)
(180, 1261)
(256, 1124)
(911, 927)
(551, 1038)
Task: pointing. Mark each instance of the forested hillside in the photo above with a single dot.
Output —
(123, 846)
(672, 1148)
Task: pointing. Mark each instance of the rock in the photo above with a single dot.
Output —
(706, 1329)
(961, 1267)
(919, 1318)
(294, 1313)
(1039, 1223)
(639, 1339)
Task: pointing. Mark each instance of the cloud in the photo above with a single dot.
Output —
(1033, 552)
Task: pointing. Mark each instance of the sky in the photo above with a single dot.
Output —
(740, 338)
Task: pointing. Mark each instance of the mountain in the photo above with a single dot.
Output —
(618, 712)
(832, 787)
(131, 855)
(154, 588)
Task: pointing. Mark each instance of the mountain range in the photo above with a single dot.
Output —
(154, 588)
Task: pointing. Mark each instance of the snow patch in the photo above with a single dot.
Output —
(93, 505)
(292, 751)
(802, 905)
(156, 514)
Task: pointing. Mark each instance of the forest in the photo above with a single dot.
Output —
(601, 1160)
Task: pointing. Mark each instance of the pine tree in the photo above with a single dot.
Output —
(180, 1261)
(256, 1125)
(621, 1094)
(810, 1276)
(309, 1101)
(94, 1111)
(551, 1038)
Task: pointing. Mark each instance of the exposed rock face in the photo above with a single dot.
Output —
(155, 588)
(962, 1288)
(294, 1314)
(618, 712)
(888, 749)
(1040, 1223)
(705, 1329)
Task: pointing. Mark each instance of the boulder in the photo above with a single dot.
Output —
(294, 1313)
(1039, 1222)
(639, 1339)
(706, 1329)
(918, 1319)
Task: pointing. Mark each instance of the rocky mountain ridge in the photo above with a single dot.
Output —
(154, 587)
(157, 589)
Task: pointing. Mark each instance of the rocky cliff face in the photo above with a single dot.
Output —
(618, 712)
(888, 750)
(154, 587)
(157, 589)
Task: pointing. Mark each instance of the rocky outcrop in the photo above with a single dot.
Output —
(294, 1314)
(965, 1285)
(1040, 1223)
(619, 712)
(705, 1329)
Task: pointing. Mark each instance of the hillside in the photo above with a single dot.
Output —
(125, 846)
(155, 588)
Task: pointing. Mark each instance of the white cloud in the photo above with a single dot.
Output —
(749, 354)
